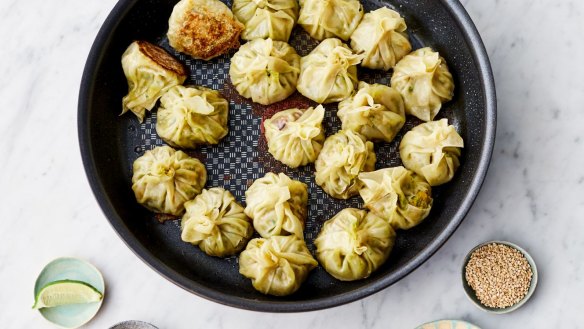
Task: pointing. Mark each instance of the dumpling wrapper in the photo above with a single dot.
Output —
(295, 136)
(263, 19)
(329, 73)
(375, 111)
(353, 244)
(381, 38)
(216, 223)
(191, 116)
(278, 265)
(277, 205)
(150, 72)
(265, 70)
(397, 195)
(324, 19)
(343, 156)
(164, 179)
(203, 29)
(431, 150)
(424, 81)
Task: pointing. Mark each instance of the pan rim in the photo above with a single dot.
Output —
(479, 54)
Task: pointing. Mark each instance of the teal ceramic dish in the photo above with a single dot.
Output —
(70, 316)
(448, 324)
(472, 295)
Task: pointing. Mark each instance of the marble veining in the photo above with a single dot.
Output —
(532, 195)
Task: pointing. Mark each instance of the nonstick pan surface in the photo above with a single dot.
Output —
(110, 143)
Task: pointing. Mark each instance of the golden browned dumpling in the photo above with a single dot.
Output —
(150, 72)
(203, 28)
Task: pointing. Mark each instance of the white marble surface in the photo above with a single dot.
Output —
(533, 194)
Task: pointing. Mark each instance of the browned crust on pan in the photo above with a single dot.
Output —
(212, 34)
(161, 57)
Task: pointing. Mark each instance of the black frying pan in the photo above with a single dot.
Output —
(110, 144)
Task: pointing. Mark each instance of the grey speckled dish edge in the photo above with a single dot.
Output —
(133, 324)
(471, 294)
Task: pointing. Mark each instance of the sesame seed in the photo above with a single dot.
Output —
(500, 275)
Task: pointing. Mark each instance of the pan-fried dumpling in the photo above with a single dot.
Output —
(329, 73)
(330, 18)
(431, 150)
(164, 179)
(397, 195)
(150, 72)
(381, 37)
(216, 223)
(375, 111)
(277, 205)
(277, 265)
(190, 116)
(265, 70)
(203, 29)
(353, 244)
(265, 19)
(295, 136)
(424, 81)
(343, 156)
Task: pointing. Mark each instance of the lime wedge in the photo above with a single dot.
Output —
(65, 292)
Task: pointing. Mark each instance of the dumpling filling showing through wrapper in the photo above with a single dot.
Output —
(381, 38)
(191, 116)
(278, 265)
(376, 111)
(164, 179)
(265, 71)
(329, 73)
(324, 19)
(353, 244)
(263, 19)
(397, 195)
(343, 156)
(150, 72)
(295, 136)
(424, 81)
(277, 205)
(216, 223)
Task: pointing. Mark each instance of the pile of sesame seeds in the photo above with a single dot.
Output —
(500, 275)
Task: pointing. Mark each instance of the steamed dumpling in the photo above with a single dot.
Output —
(330, 18)
(190, 116)
(150, 72)
(424, 81)
(353, 244)
(375, 111)
(265, 19)
(381, 37)
(343, 156)
(397, 195)
(277, 265)
(432, 150)
(164, 179)
(329, 73)
(277, 205)
(203, 29)
(216, 223)
(295, 136)
(265, 70)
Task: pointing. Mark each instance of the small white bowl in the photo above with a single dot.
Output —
(472, 295)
